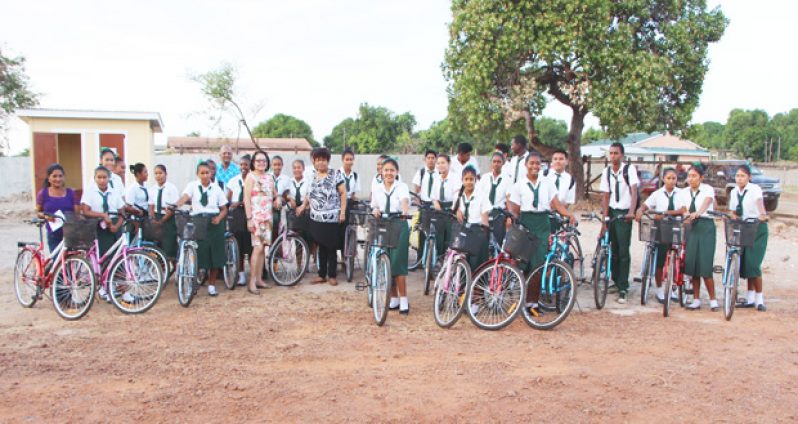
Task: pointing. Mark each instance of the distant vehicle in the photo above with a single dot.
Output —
(649, 182)
(720, 175)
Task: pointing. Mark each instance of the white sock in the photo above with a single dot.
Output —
(760, 299)
(403, 304)
(661, 292)
(394, 302)
(713, 303)
(751, 296)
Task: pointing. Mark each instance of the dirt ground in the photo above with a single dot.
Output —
(312, 353)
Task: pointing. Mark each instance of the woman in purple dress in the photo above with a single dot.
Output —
(55, 197)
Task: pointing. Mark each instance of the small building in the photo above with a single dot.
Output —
(240, 145)
(660, 147)
(74, 139)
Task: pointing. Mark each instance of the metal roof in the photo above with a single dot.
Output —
(153, 117)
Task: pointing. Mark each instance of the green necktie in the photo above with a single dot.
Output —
(106, 208)
(346, 179)
(492, 195)
(518, 162)
(441, 194)
(466, 204)
(557, 181)
(672, 206)
(429, 183)
(740, 198)
(388, 201)
(204, 195)
(692, 201)
(241, 193)
(535, 192)
(617, 187)
(146, 195)
(158, 201)
(111, 182)
(298, 194)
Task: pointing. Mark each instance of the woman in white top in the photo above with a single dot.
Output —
(746, 202)
(138, 197)
(104, 203)
(208, 199)
(296, 189)
(664, 201)
(108, 160)
(444, 191)
(234, 190)
(392, 197)
(472, 207)
(163, 194)
(495, 186)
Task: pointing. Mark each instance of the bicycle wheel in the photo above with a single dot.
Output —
(288, 260)
(577, 260)
(730, 282)
(450, 295)
(135, 282)
(495, 295)
(381, 289)
(187, 275)
(667, 280)
(649, 263)
(26, 273)
(350, 250)
(601, 281)
(413, 258)
(160, 257)
(230, 269)
(429, 262)
(74, 284)
(557, 295)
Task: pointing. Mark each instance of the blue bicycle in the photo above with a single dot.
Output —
(602, 261)
(431, 220)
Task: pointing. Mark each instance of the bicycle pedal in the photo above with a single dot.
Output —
(361, 286)
(717, 269)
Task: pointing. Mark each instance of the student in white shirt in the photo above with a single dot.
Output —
(377, 180)
(108, 160)
(208, 199)
(494, 187)
(472, 207)
(393, 197)
(281, 180)
(562, 180)
(462, 160)
(351, 179)
(444, 191)
(666, 201)
(619, 184)
(296, 190)
(423, 179)
(104, 203)
(163, 194)
(747, 202)
(515, 168)
(696, 200)
(234, 191)
(137, 197)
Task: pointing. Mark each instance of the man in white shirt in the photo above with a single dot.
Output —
(562, 181)
(461, 160)
(619, 184)
(423, 179)
(516, 166)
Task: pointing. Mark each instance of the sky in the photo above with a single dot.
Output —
(318, 60)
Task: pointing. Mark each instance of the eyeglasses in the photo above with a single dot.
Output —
(260, 160)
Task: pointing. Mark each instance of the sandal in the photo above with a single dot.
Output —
(318, 281)
(256, 292)
(333, 282)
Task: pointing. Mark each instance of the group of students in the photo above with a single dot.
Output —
(256, 189)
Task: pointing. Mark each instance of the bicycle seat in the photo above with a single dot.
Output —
(21, 244)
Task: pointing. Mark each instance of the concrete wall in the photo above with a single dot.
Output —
(17, 174)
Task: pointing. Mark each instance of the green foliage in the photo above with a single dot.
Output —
(708, 135)
(284, 126)
(552, 132)
(593, 134)
(374, 130)
(745, 132)
(15, 91)
(785, 125)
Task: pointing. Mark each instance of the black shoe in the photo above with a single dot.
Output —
(745, 304)
(392, 308)
(405, 311)
(761, 307)
(661, 301)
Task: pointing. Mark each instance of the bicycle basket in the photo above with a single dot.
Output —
(297, 223)
(196, 232)
(79, 232)
(238, 220)
(469, 238)
(385, 232)
(520, 243)
(648, 229)
(740, 233)
(151, 230)
(671, 231)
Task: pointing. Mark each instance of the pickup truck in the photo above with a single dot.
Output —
(720, 175)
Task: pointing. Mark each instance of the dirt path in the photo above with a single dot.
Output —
(312, 354)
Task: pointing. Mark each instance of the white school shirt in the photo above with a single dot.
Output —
(477, 204)
(456, 168)
(94, 198)
(292, 185)
(624, 195)
(398, 192)
(704, 191)
(752, 194)
(513, 165)
(566, 194)
(354, 182)
(450, 188)
(169, 195)
(114, 183)
(422, 179)
(138, 195)
(216, 198)
(235, 186)
(502, 189)
(522, 195)
(281, 183)
(658, 200)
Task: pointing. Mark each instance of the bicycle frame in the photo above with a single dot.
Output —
(119, 249)
(558, 250)
(451, 257)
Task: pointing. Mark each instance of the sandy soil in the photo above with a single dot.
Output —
(312, 353)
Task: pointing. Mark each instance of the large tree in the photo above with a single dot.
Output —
(374, 130)
(785, 128)
(284, 126)
(636, 65)
(708, 135)
(15, 91)
(745, 132)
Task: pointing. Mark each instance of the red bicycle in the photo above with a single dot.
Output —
(64, 273)
(672, 230)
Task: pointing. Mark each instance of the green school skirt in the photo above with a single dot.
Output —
(444, 236)
(751, 261)
(105, 238)
(398, 255)
(699, 255)
(169, 241)
(538, 224)
(211, 252)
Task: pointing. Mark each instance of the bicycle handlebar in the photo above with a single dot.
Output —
(727, 216)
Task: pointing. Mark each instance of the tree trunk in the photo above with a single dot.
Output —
(577, 168)
(534, 140)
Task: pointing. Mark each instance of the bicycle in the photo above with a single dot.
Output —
(146, 232)
(131, 277)
(357, 217)
(740, 233)
(190, 230)
(496, 291)
(455, 273)
(383, 234)
(64, 272)
(431, 219)
(230, 270)
(557, 280)
(602, 261)
(670, 230)
(289, 253)
(649, 235)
